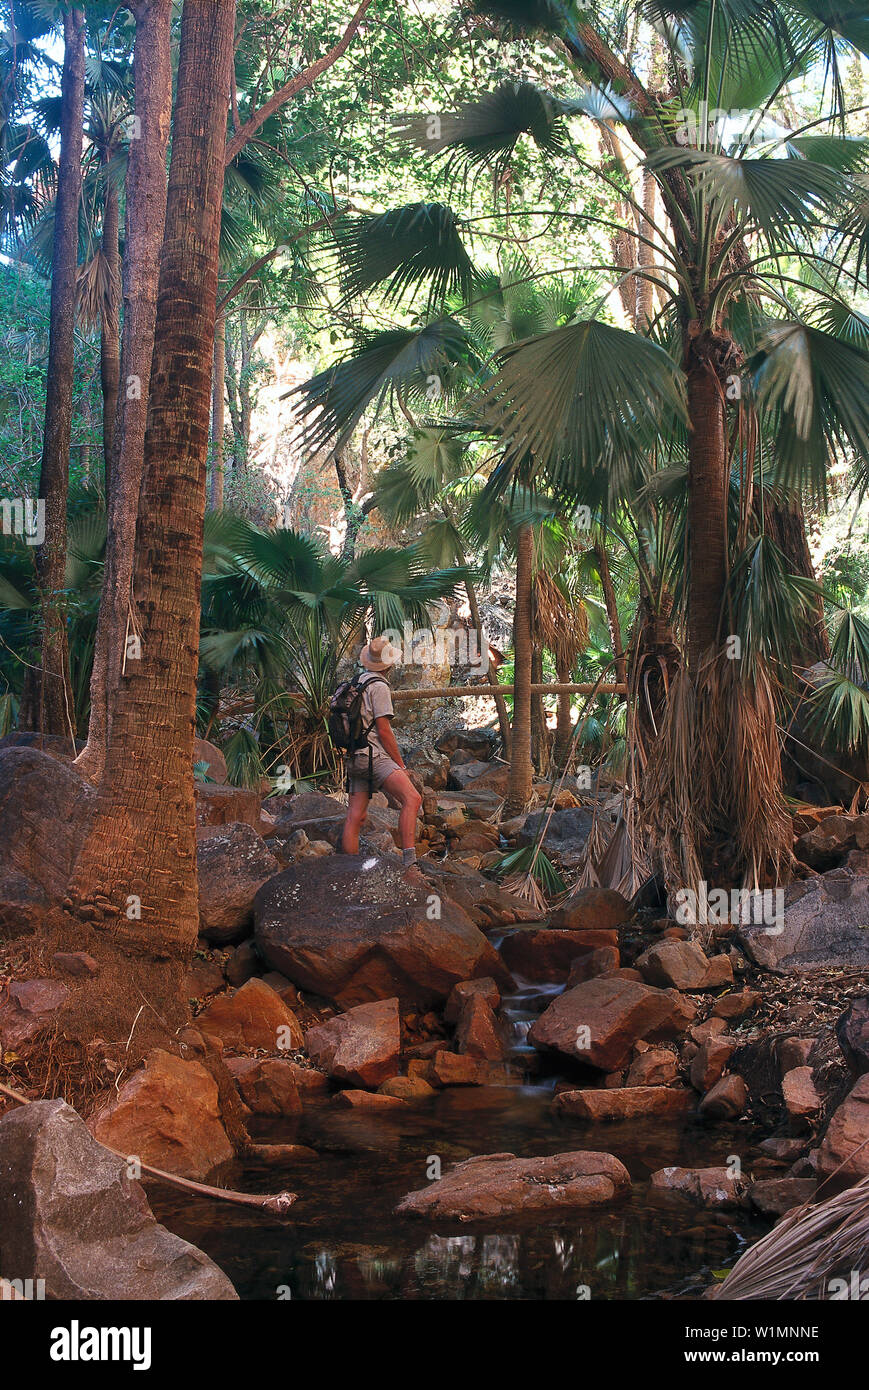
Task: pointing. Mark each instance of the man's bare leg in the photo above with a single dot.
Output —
(399, 786)
(357, 810)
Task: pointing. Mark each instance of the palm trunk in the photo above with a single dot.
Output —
(612, 612)
(500, 702)
(564, 723)
(55, 698)
(521, 772)
(145, 219)
(218, 415)
(707, 502)
(539, 731)
(143, 840)
(110, 332)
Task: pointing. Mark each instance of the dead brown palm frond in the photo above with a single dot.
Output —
(560, 621)
(737, 731)
(669, 815)
(98, 287)
(524, 887)
(808, 1249)
(595, 848)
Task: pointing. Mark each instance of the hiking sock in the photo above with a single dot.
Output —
(408, 856)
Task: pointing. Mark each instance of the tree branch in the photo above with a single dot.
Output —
(292, 88)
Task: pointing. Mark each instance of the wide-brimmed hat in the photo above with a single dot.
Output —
(379, 655)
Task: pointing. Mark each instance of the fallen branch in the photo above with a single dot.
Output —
(278, 1203)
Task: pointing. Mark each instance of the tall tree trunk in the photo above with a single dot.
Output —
(56, 705)
(707, 498)
(500, 702)
(218, 414)
(110, 330)
(145, 221)
(521, 771)
(612, 612)
(563, 721)
(143, 842)
(539, 731)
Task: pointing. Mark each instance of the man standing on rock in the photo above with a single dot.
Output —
(379, 766)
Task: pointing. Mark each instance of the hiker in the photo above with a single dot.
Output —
(361, 711)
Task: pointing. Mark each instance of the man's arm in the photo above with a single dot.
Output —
(387, 738)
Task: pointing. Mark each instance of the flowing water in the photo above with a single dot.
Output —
(343, 1241)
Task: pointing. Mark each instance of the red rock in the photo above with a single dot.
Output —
(775, 1196)
(267, 1085)
(406, 1088)
(604, 960)
(27, 1008)
(76, 963)
(599, 1021)
(360, 1047)
(204, 978)
(598, 909)
(252, 1017)
(493, 1185)
(852, 1033)
(307, 1079)
(545, 955)
(726, 1100)
(450, 1069)
(720, 972)
(845, 1144)
(628, 1103)
(801, 1099)
(708, 1066)
(478, 1034)
(366, 1100)
(709, 1187)
(711, 1028)
(680, 964)
(463, 991)
(736, 1005)
(168, 1116)
(792, 1053)
(657, 1067)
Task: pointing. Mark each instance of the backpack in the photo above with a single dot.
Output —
(347, 730)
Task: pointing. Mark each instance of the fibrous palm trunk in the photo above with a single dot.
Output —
(55, 695)
(218, 414)
(142, 846)
(521, 771)
(145, 219)
(707, 494)
(110, 330)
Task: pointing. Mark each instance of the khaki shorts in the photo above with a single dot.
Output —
(382, 766)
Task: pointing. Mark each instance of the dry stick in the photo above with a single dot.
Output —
(278, 1203)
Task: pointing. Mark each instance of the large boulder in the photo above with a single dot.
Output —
(845, 1150)
(71, 1216)
(599, 1021)
(267, 1085)
(168, 1115)
(215, 763)
(823, 925)
(45, 812)
(492, 1185)
(708, 1187)
(358, 927)
(361, 1047)
(682, 964)
(566, 835)
(234, 861)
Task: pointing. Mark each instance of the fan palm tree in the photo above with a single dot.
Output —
(755, 233)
